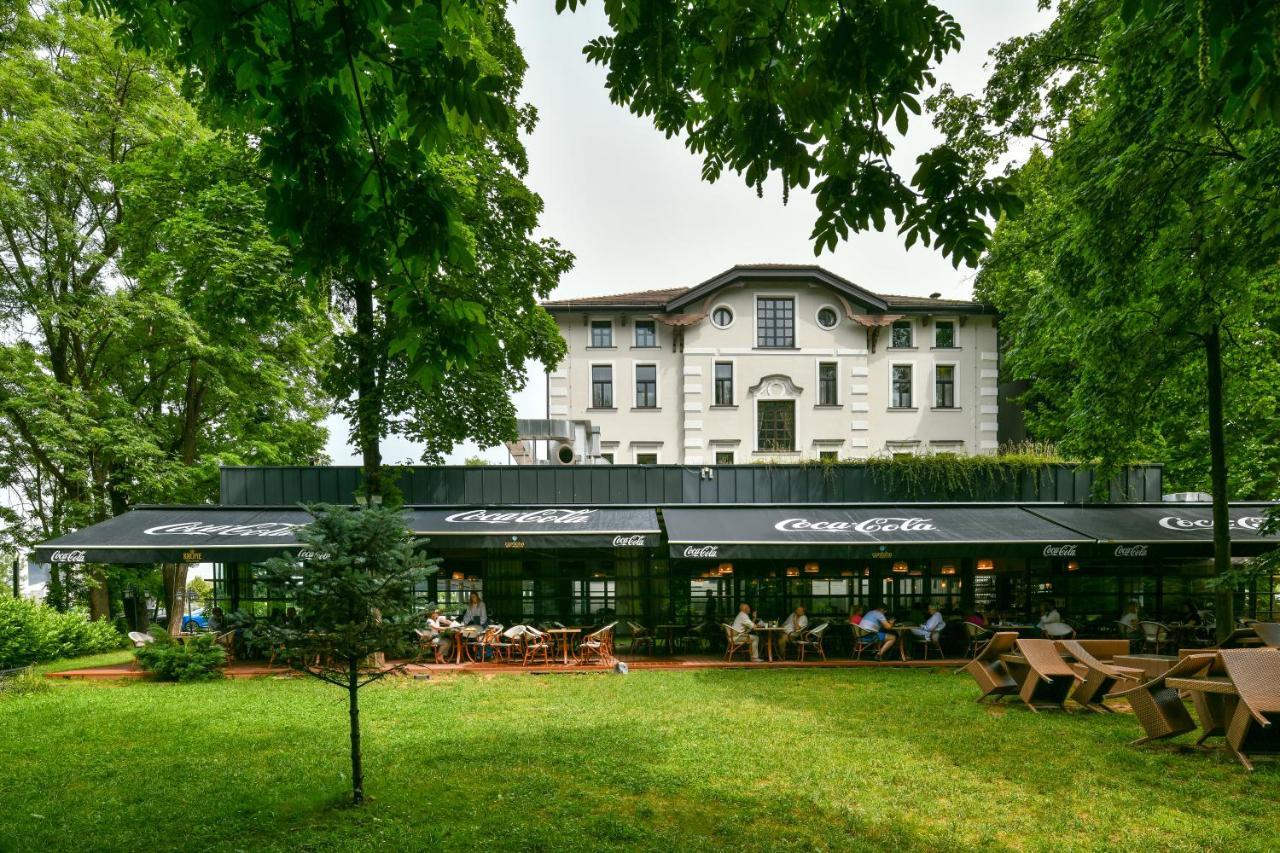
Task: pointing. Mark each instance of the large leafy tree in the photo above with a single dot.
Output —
(151, 326)
(1150, 251)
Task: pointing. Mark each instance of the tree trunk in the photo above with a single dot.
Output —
(99, 597)
(1225, 599)
(368, 404)
(353, 695)
(175, 581)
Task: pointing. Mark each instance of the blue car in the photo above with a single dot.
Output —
(195, 622)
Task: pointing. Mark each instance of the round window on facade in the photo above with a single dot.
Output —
(827, 317)
(722, 317)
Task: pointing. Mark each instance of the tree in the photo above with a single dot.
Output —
(151, 328)
(1153, 244)
(355, 597)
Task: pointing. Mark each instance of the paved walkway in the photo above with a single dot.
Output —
(258, 669)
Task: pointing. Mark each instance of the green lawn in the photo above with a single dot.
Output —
(713, 759)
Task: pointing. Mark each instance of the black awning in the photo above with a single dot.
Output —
(538, 527)
(180, 535)
(863, 532)
(1171, 529)
(247, 534)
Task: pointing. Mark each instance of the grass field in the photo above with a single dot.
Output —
(803, 760)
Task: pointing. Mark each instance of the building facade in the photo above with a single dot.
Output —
(777, 363)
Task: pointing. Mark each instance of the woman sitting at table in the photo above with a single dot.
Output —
(435, 621)
(1129, 619)
(476, 614)
(1191, 615)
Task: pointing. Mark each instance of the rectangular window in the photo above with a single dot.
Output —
(776, 427)
(724, 383)
(646, 386)
(827, 384)
(724, 457)
(828, 455)
(900, 394)
(901, 334)
(944, 385)
(944, 334)
(601, 386)
(775, 321)
(601, 334)
(607, 457)
(646, 459)
(646, 333)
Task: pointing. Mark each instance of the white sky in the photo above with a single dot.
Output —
(631, 204)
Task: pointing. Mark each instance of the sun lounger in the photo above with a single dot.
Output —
(1255, 725)
(1099, 678)
(1048, 679)
(989, 671)
(1159, 708)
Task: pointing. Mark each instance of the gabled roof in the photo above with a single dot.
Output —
(682, 299)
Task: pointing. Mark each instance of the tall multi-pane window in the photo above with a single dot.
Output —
(776, 425)
(775, 321)
(646, 333)
(944, 385)
(827, 384)
(646, 386)
(601, 333)
(724, 383)
(900, 394)
(944, 334)
(901, 334)
(601, 386)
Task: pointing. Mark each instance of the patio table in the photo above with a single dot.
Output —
(903, 631)
(564, 639)
(669, 632)
(462, 637)
(770, 634)
(1215, 699)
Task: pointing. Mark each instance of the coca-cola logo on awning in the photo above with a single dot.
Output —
(886, 524)
(265, 530)
(533, 516)
(67, 557)
(636, 541)
(702, 552)
(1250, 523)
(1060, 550)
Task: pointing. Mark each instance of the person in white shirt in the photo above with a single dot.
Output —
(435, 621)
(1130, 617)
(1049, 613)
(742, 629)
(933, 623)
(476, 614)
(1051, 624)
(794, 623)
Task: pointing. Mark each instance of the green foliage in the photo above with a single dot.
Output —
(814, 92)
(202, 591)
(196, 658)
(31, 632)
(28, 682)
(939, 476)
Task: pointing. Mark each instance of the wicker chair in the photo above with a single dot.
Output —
(1154, 635)
(978, 637)
(1045, 679)
(598, 645)
(641, 638)
(736, 642)
(1268, 632)
(989, 671)
(1255, 725)
(930, 642)
(537, 643)
(428, 641)
(810, 640)
(493, 641)
(1099, 678)
(861, 642)
(1159, 709)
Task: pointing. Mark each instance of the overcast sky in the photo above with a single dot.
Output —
(632, 207)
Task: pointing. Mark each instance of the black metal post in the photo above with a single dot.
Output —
(17, 576)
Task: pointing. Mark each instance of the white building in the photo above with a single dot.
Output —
(777, 362)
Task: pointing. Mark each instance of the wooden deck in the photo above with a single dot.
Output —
(258, 669)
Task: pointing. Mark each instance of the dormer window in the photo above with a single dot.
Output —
(901, 335)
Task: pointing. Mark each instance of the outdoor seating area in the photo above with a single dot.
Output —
(521, 645)
(1234, 689)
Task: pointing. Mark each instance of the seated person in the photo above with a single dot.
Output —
(742, 627)
(476, 613)
(1048, 613)
(217, 621)
(1191, 615)
(875, 620)
(935, 622)
(435, 621)
(1051, 624)
(797, 621)
(976, 618)
(1129, 619)
(855, 615)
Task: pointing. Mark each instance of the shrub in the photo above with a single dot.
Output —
(31, 632)
(200, 658)
(25, 683)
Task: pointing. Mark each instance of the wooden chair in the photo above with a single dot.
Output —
(1160, 709)
(492, 642)
(1154, 635)
(736, 643)
(641, 638)
(1046, 679)
(598, 645)
(227, 639)
(933, 641)
(977, 636)
(1254, 727)
(537, 643)
(861, 642)
(810, 640)
(1099, 678)
(989, 671)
